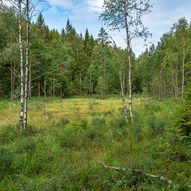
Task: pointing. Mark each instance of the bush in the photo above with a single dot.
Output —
(184, 116)
(184, 122)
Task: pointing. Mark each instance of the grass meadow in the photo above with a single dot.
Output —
(85, 144)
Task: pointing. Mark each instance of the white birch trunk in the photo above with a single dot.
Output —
(129, 73)
(21, 66)
(30, 80)
(130, 88)
(123, 96)
(26, 66)
(122, 83)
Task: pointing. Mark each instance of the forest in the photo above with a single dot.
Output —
(78, 112)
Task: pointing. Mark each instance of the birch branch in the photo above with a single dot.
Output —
(153, 176)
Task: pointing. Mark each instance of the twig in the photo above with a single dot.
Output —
(161, 178)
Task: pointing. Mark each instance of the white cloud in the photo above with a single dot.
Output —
(162, 19)
(60, 3)
(95, 5)
(53, 10)
(84, 14)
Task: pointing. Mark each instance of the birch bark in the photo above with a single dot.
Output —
(26, 85)
(21, 66)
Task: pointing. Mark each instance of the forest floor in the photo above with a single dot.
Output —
(75, 144)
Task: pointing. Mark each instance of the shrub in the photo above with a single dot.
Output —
(184, 122)
(184, 116)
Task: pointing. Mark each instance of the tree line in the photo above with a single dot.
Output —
(164, 70)
(65, 64)
(70, 64)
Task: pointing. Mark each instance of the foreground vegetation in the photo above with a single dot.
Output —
(71, 145)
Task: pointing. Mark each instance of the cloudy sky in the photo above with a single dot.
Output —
(84, 14)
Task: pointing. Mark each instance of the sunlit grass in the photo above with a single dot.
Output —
(43, 111)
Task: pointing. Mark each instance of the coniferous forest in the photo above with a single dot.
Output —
(78, 112)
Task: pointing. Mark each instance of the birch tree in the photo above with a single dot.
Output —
(181, 33)
(127, 15)
(21, 65)
(25, 10)
(26, 87)
(119, 61)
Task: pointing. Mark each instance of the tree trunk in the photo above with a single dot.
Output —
(51, 90)
(26, 66)
(21, 67)
(30, 80)
(160, 85)
(38, 87)
(14, 78)
(90, 85)
(124, 77)
(12, 81)
(128, 41)
(54, 87)
(80, 82)
(104, 70)
(174, 89)
(105, 88)
(130, 89)
(45, 86)
(122, 84)
(123, 96)
(183, 70)
(176, 82)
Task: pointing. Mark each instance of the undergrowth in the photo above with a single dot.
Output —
(66, 155)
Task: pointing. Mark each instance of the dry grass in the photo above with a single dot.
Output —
(41, 112)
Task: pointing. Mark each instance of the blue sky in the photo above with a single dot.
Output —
(84, 14)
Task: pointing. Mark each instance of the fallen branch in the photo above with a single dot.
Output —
(153, 176)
